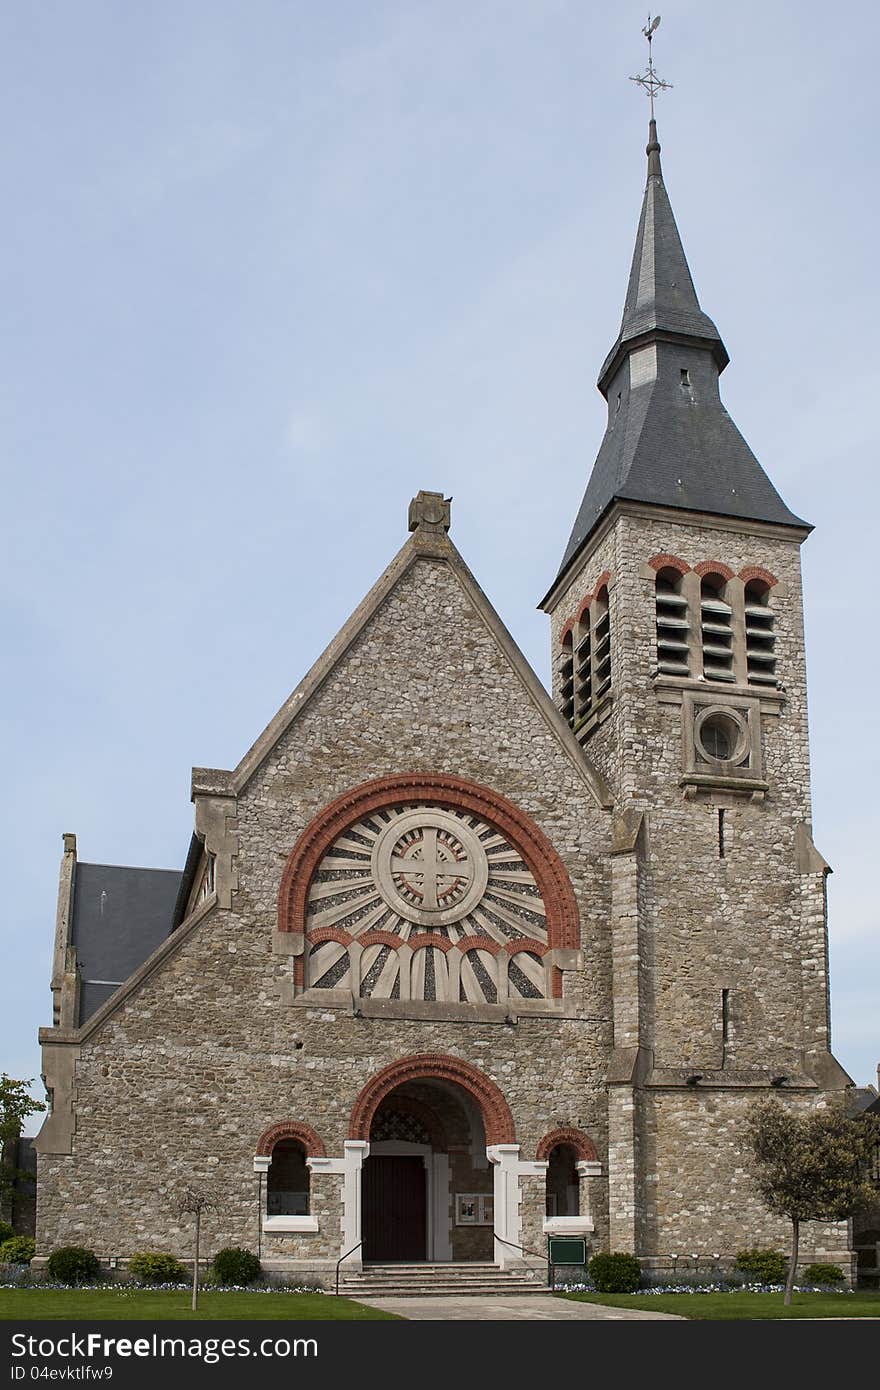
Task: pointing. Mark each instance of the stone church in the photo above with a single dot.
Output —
(453, 965)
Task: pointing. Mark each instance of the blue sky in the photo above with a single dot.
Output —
(269, 268)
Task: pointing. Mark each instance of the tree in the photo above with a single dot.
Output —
(811, 1167)
(192, 1202)
(15, 1107)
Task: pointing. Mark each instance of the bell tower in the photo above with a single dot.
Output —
(678, 661)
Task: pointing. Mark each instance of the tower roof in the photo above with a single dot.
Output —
(660, 296)
(669, 440)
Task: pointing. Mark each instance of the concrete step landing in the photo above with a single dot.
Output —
(441, 1281)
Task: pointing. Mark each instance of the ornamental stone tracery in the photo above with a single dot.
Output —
(444, 883)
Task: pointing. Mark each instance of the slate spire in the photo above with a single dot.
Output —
(669, 441)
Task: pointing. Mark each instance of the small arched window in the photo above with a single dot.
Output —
(673, 627)
(716, 629)
(563, 1188)
(760, 637)
(288, 1186)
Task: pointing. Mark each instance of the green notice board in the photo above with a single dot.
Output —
(567, 1250)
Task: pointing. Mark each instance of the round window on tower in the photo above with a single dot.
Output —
(721, 736)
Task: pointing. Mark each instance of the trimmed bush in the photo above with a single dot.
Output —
(157, 1267)
(615, 1273)
(236, 1266)
(6, 1232)
(19, 1250)
(73, 1264)
(823, 1274)
(764, 1266)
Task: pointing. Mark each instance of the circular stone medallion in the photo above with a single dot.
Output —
(430, 867)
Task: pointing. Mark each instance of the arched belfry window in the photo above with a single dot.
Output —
(602, 639)
(288, 1180)
(584, 671)
(673, 625)
(716, 629)
(760, 637)
(566, 677)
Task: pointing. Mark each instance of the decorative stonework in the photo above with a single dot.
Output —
(446, 894)
(575, 1138)
(497, 1119)
(436, 882)
(291, 1129)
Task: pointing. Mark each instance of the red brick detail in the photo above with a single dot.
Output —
(292, 1129)
(299, 972)
(669, 562)
(757, 572)
(602, 582)
(713, 567)
(580, 1142)
(584, 608)
(435, 1066)
(441, 943)
(556, 982)
(479, 943)
(566, 632)
(320, 934)
(453, 793)
(381, 938)
(409, 1105)
(535, 948)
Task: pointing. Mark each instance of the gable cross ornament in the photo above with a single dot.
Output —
(649, 80)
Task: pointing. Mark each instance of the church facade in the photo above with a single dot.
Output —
(454, 964)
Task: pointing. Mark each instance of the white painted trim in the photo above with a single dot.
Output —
(508, 1195)
(568, 1226)
(307, 1225)
(356, 1150)
(588, 1168)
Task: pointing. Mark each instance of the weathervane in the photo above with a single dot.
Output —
(649, 80)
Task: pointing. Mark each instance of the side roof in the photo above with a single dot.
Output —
(120, 916)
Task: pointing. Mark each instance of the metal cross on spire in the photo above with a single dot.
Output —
(649, 80)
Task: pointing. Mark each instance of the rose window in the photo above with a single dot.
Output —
(445, 884)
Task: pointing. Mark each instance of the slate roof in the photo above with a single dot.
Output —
(665, 447)
(120, 916)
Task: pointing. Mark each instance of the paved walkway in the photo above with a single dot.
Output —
(508, 1307)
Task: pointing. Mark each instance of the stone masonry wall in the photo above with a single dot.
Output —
(179, 1082)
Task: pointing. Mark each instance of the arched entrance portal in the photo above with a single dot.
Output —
(436, 1140)
(427, 1186)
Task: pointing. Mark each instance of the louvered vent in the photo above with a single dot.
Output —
(760, 637)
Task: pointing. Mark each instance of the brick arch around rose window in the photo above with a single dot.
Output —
(291, 1129)
(450, 793)
(574, 1138)
(435, 1066)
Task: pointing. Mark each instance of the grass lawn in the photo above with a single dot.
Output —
(161, 1304)
(863, 1304)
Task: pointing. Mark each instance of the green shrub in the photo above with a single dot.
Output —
(6, 1232)
(236, 1266)
(19, 1250)
(821, 1274)
(615, 1273)
(73, 1264)
(157, 1267)
(764, 1266)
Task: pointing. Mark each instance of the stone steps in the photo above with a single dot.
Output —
(439, 1280)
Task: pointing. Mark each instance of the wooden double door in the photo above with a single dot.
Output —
(394, 1206)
